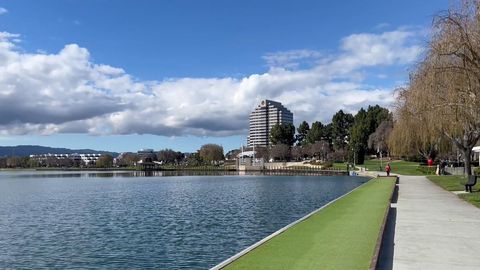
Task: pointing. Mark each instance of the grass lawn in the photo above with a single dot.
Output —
(340, 166)
(400, 167)
(473, 198)
(341, 236)
(456, 183)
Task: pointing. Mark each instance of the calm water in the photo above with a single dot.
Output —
(78, 220)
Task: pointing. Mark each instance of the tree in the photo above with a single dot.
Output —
(341, 124)
(443, 94)
(3, 162)
(169, 156)
(17, 162)
(282, 134)
(365, 123)
(316, 133)
(320, 149)
(296, 152)
(302, 132)
(378, 139)
(66, 162)
(211, 152)
(327, 133)
(359, 133)
(280, 152)
(375, 116)
(261, 152)
(193, 160)
(339, 155)
(105, 161)
(127, 159)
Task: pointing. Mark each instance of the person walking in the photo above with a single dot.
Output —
(388, 169)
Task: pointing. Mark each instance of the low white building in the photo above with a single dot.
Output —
(85, 159)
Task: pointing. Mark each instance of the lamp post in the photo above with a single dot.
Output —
(353, 149)
(381, 161)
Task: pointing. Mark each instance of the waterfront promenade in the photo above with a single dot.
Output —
(342, 235)
(434, 229)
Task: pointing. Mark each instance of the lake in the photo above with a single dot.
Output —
(59, 220)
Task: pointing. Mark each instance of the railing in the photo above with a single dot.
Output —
(456, 170)
(305, 170)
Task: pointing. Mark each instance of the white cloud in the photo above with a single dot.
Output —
(3, 11)
(66, 92)
(366, 50)
(291, 59)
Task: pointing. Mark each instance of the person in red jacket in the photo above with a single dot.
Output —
(388, 169)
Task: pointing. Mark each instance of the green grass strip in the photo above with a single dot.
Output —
(457, 183)
(343, 235)
(400, 167)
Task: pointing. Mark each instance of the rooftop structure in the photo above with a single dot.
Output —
(263, 118)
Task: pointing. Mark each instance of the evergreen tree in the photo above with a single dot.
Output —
(359, 137)
(340, 129)
(282, 134)
(365, 124)
(316, 133)
(302, 132)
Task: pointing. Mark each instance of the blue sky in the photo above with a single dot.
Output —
(96, 74)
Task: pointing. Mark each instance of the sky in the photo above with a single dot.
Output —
(125, 75)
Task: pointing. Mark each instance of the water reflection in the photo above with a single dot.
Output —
(71, 220)
(120, 174)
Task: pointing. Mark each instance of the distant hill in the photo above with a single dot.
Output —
(26, 150)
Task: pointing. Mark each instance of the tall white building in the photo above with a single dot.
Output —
(263, 118)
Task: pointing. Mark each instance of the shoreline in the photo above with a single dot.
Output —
(286, 171)
(282, 241)
(244, 252)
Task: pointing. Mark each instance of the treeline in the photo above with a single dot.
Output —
(346, 138)
(438, 112)
(208, 154)
(104, 161)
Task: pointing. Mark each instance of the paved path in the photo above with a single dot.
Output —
(434, 228)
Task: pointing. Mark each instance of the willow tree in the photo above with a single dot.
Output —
(412, 133)
(442, 100)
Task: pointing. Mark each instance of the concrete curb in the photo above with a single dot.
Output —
(259, 243)
(378, 246)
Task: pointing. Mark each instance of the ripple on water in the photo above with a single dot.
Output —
(180, 222)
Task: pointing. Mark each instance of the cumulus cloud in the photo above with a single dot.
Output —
(291, 59)
(363, 50)
(3, 10)
(66, 92)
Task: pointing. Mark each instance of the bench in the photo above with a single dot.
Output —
(471, 181)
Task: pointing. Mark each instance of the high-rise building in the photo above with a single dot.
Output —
(263, 118)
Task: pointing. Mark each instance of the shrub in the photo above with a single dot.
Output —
(327, 164)
(427, 169)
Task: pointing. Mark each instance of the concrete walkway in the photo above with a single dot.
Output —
(434, 228)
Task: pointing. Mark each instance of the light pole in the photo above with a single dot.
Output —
(353, 149)
(381, 163)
